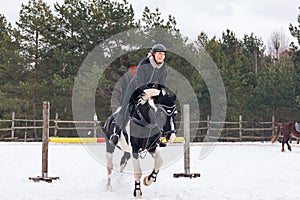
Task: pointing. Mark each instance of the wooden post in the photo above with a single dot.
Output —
(55, 125)
(241, 127)
(187, 138)
(25, 137)
(13, 125)
(186, 131)
(46, 107)
(95, 125)
(273, 125)
(208, 124)
(45, 143)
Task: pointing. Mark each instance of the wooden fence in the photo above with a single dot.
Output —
(31, 130)
(236, 131)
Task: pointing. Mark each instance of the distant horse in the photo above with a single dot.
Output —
(287, 129)
(152, 115)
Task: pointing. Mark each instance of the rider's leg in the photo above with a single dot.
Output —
(121, 119)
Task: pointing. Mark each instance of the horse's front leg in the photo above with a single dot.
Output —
(285, 140)
(148, 180)
(137, 193)
(287, 143)
(282, 146)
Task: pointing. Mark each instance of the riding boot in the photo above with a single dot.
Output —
(114, 138)
(118, 128)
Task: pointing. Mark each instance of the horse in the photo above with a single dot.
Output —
(287, 129)
(152, 113)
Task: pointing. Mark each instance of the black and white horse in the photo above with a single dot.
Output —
(152, 116)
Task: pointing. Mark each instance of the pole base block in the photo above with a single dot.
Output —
(46, 179)
(186, 175)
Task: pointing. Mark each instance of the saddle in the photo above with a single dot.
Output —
(297, 127)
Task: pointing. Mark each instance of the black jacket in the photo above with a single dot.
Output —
(146, 73)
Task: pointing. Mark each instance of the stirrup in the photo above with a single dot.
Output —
(113, 139)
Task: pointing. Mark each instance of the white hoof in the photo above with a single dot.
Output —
(147, 182)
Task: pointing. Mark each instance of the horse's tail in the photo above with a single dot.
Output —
(274, 138)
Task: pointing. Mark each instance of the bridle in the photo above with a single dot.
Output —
(169, 111)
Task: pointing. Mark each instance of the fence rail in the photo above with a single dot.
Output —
(31, 130)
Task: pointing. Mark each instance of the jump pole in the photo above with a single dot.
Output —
(187, 138)
(45, 143)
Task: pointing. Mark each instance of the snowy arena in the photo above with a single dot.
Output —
(231, 171)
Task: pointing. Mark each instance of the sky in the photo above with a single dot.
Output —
(261, 17)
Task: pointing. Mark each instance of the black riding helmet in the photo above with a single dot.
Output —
(158, 48)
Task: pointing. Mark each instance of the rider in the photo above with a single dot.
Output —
(150, 70)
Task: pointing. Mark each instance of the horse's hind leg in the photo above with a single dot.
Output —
(148, 180)
(109, 164)
(285, 140)
(288, 144)
(126, 156)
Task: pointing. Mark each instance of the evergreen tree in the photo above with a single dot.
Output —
(35, 20)
(12, 75)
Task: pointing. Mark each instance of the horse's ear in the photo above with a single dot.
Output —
(174, 96)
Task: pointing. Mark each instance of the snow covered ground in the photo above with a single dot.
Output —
(232, 171)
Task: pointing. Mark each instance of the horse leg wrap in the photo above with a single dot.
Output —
(137, 193)
(148, 180)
